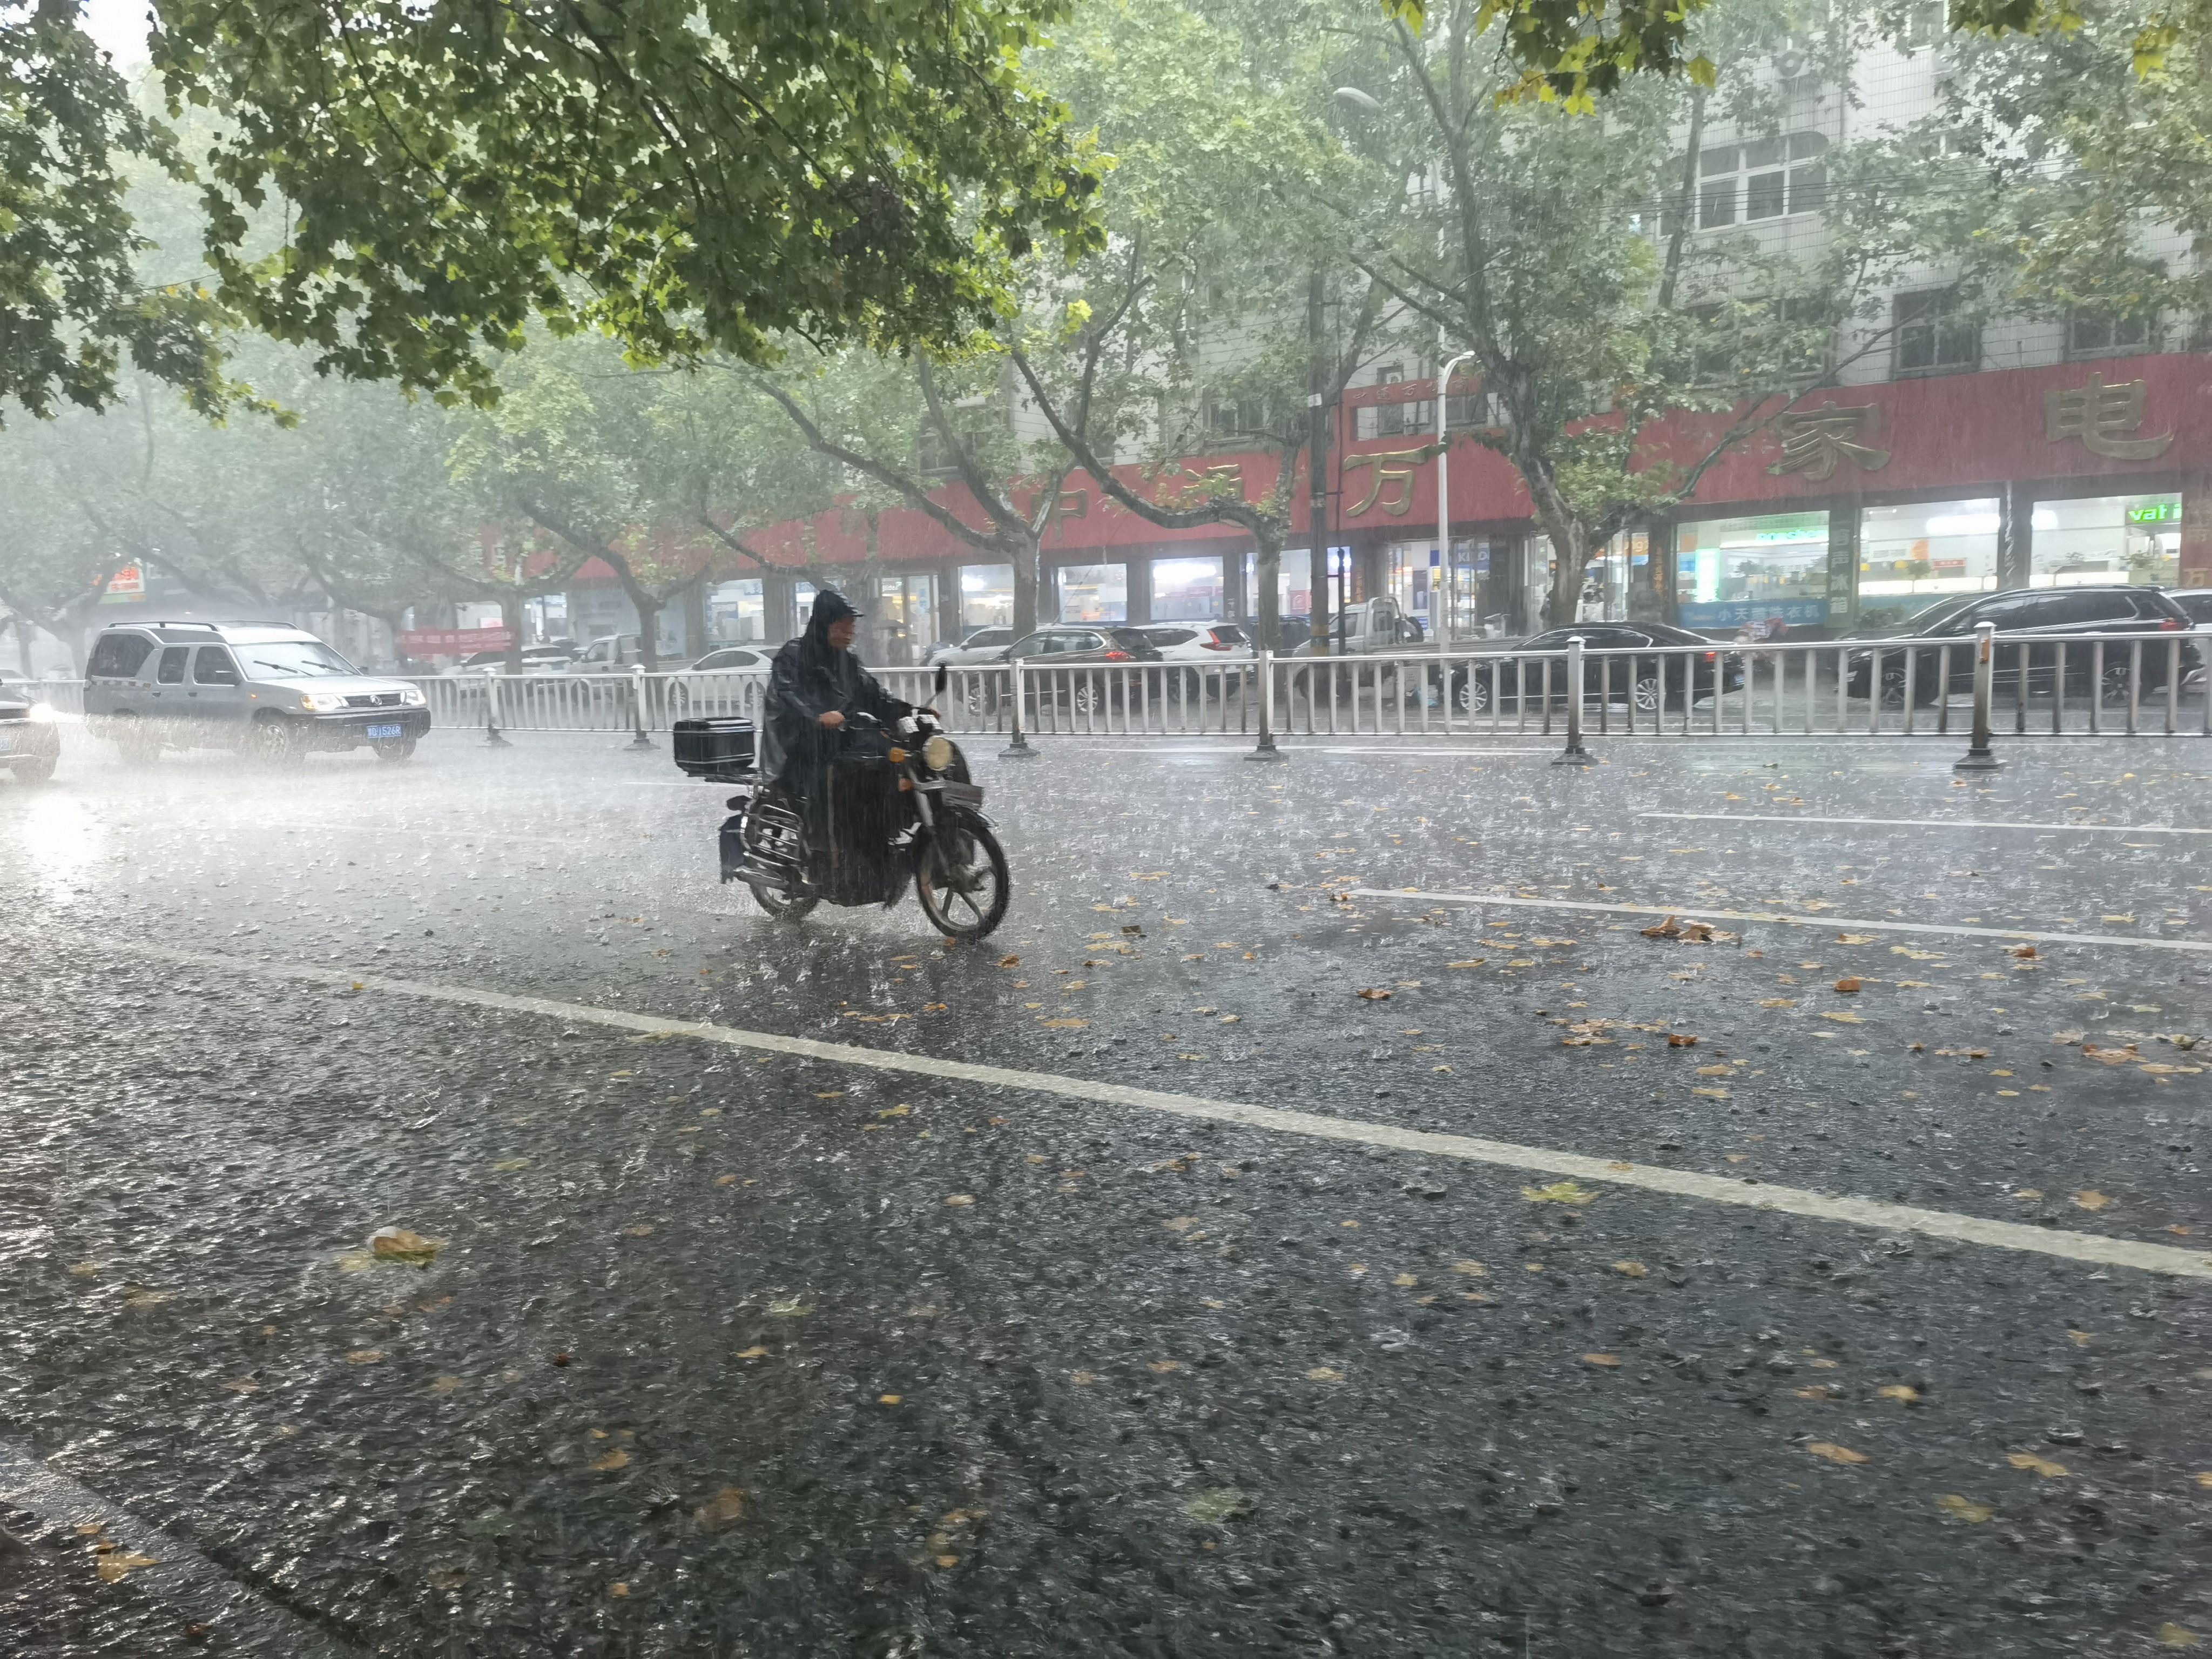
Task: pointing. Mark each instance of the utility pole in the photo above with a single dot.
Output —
(1319, 373)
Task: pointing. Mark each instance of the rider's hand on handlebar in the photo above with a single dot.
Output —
(833, 720)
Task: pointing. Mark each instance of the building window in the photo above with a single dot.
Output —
(2088, 335)
(1932, 338)
(1235, 417)
(1767, 178)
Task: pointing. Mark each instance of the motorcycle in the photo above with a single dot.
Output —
(900, 805)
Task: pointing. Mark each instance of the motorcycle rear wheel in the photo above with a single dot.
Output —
(960, 878)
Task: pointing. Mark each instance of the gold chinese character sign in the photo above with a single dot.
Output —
(1398, 480)
(2098, 415)
(1814, 440)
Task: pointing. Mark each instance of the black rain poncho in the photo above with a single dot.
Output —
(810, 678)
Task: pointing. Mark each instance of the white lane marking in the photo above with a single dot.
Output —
(247, 1622)
(1702, 911)
(1929, 823)
(1296, 748)
(1683, 1183)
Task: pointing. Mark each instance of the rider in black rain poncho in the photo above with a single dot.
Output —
(816, 682)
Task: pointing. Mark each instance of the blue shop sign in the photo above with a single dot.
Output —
(1798, 613)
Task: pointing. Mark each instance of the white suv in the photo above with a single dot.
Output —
(269, 691)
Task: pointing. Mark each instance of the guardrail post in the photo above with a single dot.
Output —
(1018, 746)
(492, 739)
(1575, 754)
(1267, 749)
(1979, 757)
(637, 738)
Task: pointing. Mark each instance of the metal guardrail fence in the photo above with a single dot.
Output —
(62, 696)
(2023, 685)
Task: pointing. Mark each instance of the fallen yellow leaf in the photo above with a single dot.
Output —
(2042, 1466)
(1559, 1191)
(960, 1200)
(1965, 1508)
(114, 1564)
(616, 1459)
(1631, 1269)
(1904, 1393)
(1835, 1454)
(1607, 1360)
(1846, 1017)
(2177, 1635)
(1324, 1374)
(2090, 1200)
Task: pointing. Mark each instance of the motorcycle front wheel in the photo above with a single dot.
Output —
(783, 906)
(960, 877)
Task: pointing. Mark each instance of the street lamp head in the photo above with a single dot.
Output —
(1357, 100)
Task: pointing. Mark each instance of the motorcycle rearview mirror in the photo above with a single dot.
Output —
(943, 679)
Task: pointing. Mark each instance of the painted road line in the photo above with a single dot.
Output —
(244, 1621)
(1702, 912)
(1538, 1160)
(1926, 823)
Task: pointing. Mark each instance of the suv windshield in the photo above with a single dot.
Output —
(289, 659)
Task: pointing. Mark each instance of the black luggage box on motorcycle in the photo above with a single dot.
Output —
(721, 746)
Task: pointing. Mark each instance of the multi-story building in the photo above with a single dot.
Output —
(1944, 451)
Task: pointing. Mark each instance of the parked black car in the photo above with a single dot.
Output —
(2058, 615)
(1652, 682)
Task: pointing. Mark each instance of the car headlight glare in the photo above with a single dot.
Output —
(413, 697)
(937, 753)
(323, 702)
(39, 714)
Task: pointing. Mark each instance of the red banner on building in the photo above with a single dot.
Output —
(454, 641)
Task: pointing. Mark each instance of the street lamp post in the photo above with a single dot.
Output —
(1439, 605)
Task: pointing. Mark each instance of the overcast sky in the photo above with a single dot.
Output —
(120, 27)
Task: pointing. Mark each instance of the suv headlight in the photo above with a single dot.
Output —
(412, 696)
(323, 702)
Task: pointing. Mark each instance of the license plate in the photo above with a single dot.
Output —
(383, 731)
(7, 742)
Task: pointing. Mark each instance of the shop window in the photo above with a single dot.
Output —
(2101, 539)
(2088, 335)
(1732, 571)
(1187, 590)
(737, 611)
(1093, 592)
(1910, 556)
(1932, 336)
(987, 596)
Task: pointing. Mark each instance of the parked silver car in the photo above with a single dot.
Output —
(272, 692)
(30, 740)
(976, 646)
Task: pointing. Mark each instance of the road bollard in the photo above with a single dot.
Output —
(1575, 754)
(637, 738)
(1979, 757)
(1018, 746)
(492, 739)
(1267, 749)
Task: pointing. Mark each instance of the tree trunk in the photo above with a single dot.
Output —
(694, 618)
(510, 618)
(1267, 571)
(648, 610)
(1026, 561)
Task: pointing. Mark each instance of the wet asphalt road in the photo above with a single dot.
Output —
(730, 1352)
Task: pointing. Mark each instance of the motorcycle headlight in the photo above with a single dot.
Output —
(937, 753)
(413, 697)
(323, 702)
